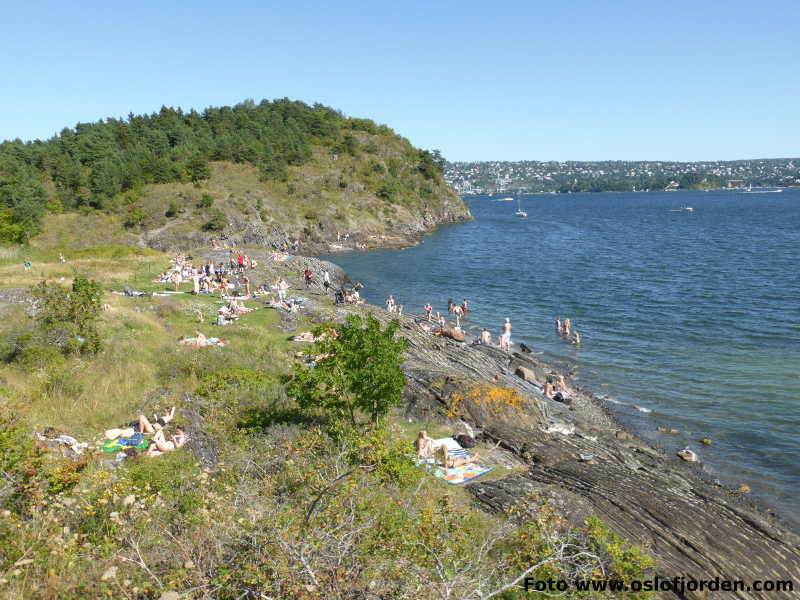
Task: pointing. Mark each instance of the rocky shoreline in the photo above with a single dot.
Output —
(581, 461)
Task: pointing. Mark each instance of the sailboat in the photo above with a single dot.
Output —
(520, 212)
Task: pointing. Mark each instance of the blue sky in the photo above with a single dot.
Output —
(479, 81)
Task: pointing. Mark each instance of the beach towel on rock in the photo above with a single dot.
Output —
(455, 475)
(462, 474)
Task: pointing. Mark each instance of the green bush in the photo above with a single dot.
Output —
(172, 209)
(69, 319)
(389, 455)
(29, 475)
(206, 201)
(361, 374)
(32, 355)
(134, 216)
(217, 221)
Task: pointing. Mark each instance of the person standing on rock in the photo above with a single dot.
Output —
(281, 286)
(326, 280)
(428, 310)
(307, 275)
(505, 339)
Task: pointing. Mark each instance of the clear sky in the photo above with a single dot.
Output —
(478, 80)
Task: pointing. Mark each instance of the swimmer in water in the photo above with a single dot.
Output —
(567, 326)
(576, 338)
(558, 324)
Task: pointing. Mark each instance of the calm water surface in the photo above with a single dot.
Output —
(692, 316)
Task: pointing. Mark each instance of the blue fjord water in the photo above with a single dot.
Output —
(693, 316)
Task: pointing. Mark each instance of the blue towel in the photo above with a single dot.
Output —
(132, 441)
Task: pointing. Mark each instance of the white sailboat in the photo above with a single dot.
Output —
(520, 212)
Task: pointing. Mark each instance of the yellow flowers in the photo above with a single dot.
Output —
(496, 397)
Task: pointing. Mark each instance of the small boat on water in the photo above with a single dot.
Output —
(682, 209)
(750, 190)
(520, 212)
(506, 199)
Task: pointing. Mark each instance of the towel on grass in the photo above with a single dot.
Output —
(212, 341)
(115, 445)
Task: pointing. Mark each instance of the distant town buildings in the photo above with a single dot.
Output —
(533, 176)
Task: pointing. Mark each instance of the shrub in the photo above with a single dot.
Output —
(360, 374)
(206, 201)
(134, 216)
(69, 319)
(33, 355)
(217, 222)
(172, 209)
(28, 475)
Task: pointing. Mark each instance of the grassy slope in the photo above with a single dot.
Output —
(338, 192)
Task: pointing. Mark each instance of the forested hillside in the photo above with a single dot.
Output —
(303, 166)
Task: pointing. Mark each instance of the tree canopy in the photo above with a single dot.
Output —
(89, 165)
(356, 372)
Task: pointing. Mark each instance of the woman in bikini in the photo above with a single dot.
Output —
(424, 445)
(142, 425)
(452, 463)
(162, 445)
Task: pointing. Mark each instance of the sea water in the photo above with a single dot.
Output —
(688, 320)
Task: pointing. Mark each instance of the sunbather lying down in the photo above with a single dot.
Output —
(452, 462)
(161, 445)
(200, 341)
(427, 448)
(306, 336)
(142, 425)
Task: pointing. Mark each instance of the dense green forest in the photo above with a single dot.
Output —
(94, 165)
